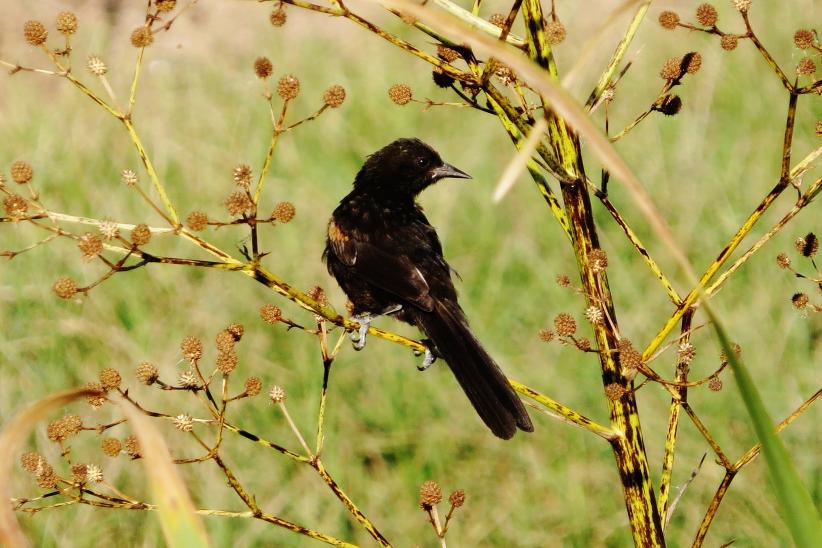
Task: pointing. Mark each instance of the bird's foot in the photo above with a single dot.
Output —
(358, 337)
(428, 361)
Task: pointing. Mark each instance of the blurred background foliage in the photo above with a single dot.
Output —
(200, 113)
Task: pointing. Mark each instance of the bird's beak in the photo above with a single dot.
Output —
(447, 170)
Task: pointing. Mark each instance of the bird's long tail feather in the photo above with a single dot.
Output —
(478, 374)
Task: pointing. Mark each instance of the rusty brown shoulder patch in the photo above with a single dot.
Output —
(335, 233)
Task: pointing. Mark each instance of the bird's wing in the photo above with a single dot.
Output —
(391, 272)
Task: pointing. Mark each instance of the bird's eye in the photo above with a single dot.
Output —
(422, 162)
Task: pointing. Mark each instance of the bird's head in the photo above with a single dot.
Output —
(403, 168)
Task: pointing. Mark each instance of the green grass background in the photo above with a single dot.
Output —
(390, 428)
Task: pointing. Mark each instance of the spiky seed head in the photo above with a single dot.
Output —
(288, 87)
(694, 62)
(192, 348)
(197, 221)
(811, 245)
(447, 54)
(225, 341)
(238, 203)
(806, 67)
(227, 362)
(21, 172)
(94, 474)
(31, 461)
(599, 260)
(430, 494)
(594, 315)
(555, 33)
(706, 15)
(565, 324)
(188, 379)
(110, 378)
(132, 446)
(284, 212)
(334, 96)
(141, 37)
(614, 391)
(97, 396)
(800, 300)
(166, 5)
(183, 422)
(16, 206)
(55, 431)
(90, 245)
(253, 386)
(546, 335)
(803, 38)
(668, 19)
(270, 313)
(147, 373)
(799, 244)
(742, 5)
(108, 229)
(503, 72)
(819, 128)
(46, 477)
(278, 17)
(563, 280)
(96, 66)
(400, 94)
(783, 261)
(629, 357)
(497, 19)
(729, 42)
(457, 498)
(128, 177)
(111, 447)
(66, 22)
(318, 294)
(237, 330)
(276, 394)
(686, 352)
(35, 33)
(671, 69)
(715, 384)
(79, 472)
(242, 175)
(263, 67)
(140, 235)
(583, 343)
(65, 288)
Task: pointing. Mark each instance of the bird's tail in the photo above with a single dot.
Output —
(478, 374)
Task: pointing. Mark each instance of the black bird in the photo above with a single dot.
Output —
(388, 259)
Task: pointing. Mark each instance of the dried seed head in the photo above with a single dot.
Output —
(79, 472)
(783, 261)
(140, 235)
(96, 66)
(686, 352)
(742, 5)
(132, 446)
(108, 229)
(729, 42)
(629, 357)
(806, 67)
(735, 348)
(197, 221)
(546, 335)
(278, 17)
(147, 373)
(227, 362)
(188, 379)
(583, 343)
(400, 94)
(819, 128)
(128, 177)
(706, 15)
(447, 54)
(803, 38)
(238, 203)
(594, 315)
(183, 422)
(799, 244)
(225, 341)
(94, 474)
(614, 391)
(800, 300)
(16, 206)
(563, 280)
(46, 477)
(67, 23)
(165, 5)
(497, 19)
(694, 62)
(334, 96)
(503, 72)
(110, 378)
(811, 245)
(35, 33)
(270, 313)
(90, 245)
(672, 69)
(457, 498)
(65, 288)
(32, 461)
(97, 397)
(263, 67)
(599, 260)
(318, 294)
(141, 37)
(283, 212)
(237, 330)
(276, 394)
(253, 386)
(242, 176)
(430, 494)
(608, 94)
(715, 384)
(111, 447)
(668, 19)
(288, 87)
(21, 172)
(192, 348)
(565, 324)
(670, 105)
(555, 33)
(56, 431)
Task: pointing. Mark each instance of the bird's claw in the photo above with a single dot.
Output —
(428, 361)
(358, 337)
